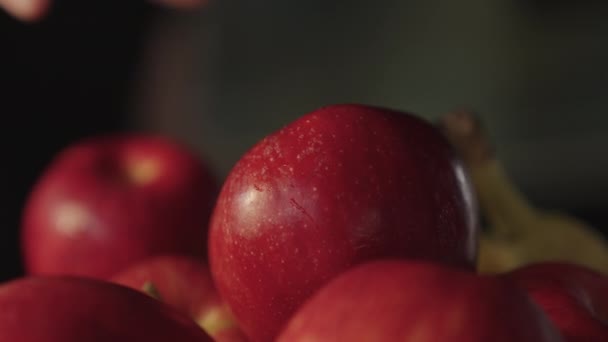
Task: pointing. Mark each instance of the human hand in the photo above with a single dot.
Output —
(31, 10)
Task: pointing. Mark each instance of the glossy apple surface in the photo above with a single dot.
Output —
(421, 302)
(108, 201)
(339, 186)
(574, 297)
(184, 283)
(69, 309)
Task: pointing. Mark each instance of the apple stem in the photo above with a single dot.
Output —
(151, 290)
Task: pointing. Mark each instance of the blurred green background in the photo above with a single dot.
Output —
(535, 71)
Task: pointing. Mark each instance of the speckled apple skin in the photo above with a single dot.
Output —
(339, 186)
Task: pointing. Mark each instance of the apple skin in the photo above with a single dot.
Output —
(574, 297)
(339, 186)
(395, 300)
(230, 335)
(74, 309)
(184, 283)
(108, 201)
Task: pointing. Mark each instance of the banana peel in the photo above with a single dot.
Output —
(496, 255)
(517, 232)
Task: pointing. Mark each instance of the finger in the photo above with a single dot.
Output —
(27, 10)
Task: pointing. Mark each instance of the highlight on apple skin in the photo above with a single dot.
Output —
(339, 186)
(107, 201)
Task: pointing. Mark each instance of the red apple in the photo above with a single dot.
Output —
(339, 186)
(108, 201)
(230, 335)
(418, 301)
(574, 297)
(184, 283)
(70, 309)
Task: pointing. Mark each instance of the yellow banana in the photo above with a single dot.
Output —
(518, 233)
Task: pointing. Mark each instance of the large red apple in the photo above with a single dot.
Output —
(108, 201)
(574, 297)
(70, 309)
(339, 186)
(184, 283)
(414, 301)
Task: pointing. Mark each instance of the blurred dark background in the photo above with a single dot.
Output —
(61, 79)
(222, 77)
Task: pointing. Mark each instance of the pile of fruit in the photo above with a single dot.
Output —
(352, 223)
